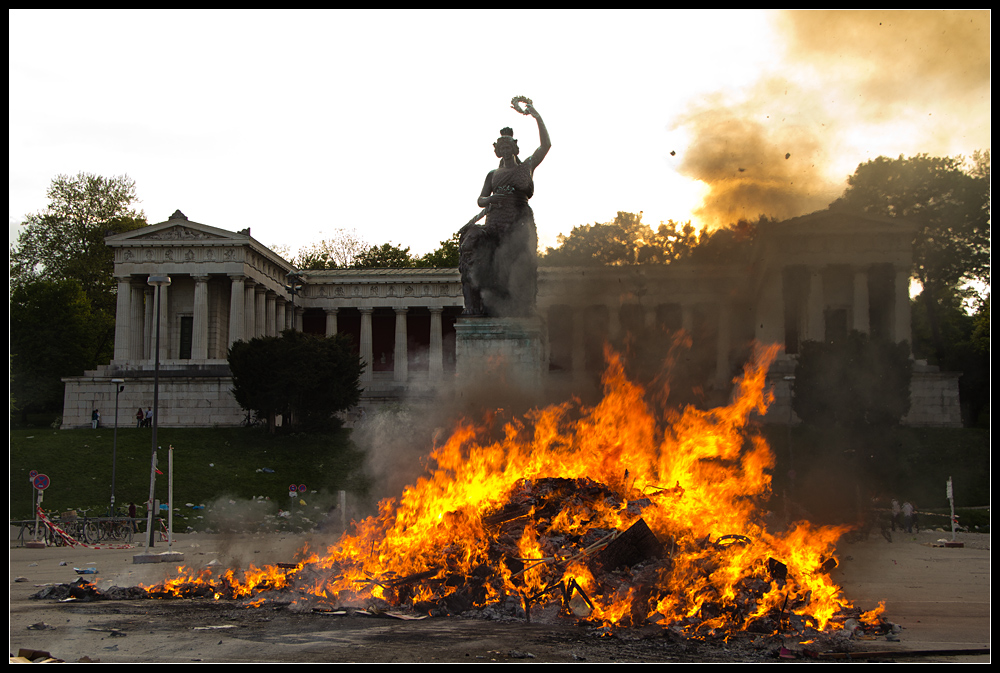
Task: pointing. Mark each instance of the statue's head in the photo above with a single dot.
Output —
(506, 146)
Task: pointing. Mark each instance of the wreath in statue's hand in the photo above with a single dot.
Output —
(516, 102)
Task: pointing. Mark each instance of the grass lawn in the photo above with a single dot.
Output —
(208, 464)
(819, 469)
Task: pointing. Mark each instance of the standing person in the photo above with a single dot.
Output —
(896, 511)
(908, 516)
(95, 419)
(132, 510)
(148, 421)
(139, 417)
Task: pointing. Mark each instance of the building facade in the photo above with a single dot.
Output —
(810, 278)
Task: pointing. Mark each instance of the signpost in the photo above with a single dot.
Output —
(39, 482)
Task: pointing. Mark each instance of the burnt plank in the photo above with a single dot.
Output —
(635, 545)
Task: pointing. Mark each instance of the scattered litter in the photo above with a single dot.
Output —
(113, 633)
(39, 626)
(63, 563)
(85, 571)
(20, 579)
(219, 626)
(28, 656)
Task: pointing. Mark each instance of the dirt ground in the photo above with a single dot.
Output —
(940, 596)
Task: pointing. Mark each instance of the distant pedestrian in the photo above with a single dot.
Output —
(909, 516)
(148, 421)
(896, 514)
(95, 419)
(140, 416)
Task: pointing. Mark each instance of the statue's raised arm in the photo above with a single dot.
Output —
(543, 133)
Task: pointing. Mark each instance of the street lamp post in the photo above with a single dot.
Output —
(158, 282)
(119, 387)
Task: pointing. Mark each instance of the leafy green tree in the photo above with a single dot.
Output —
(308, 378)
(966, 339)
(949, 200)
(855, 382)
(66, 242)
(626, 240)
(444, 257)
(385, 256)
(51, 328)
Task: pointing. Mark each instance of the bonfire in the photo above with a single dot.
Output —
(614, 513)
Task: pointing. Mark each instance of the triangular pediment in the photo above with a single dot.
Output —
(847, 222)
(180, 229)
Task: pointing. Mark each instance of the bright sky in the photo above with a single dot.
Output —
(297, 124)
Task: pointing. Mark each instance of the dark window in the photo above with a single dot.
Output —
(187, 332)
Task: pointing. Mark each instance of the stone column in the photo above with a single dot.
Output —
(280, 308)
(331, 321)
(861, 316)
(722, 344)
(366, 342)
(401, 363)
(148, 323)
(901, 307)
(260, 311)
(769, 313)
(578, 348)
(236, 318)
(815, 325)
(687, 319)
(614, 321)
(164, 310)
(199, 327)
(136, 330)
(435, 366)
(249, 310)
(270, 316)
(123, 319)
(297, 324)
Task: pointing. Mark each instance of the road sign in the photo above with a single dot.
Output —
(41, 482)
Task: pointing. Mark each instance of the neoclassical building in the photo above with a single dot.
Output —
(810, 278)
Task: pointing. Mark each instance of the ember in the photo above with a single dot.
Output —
(611, 513)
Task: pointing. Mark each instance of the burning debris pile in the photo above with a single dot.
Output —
(610, 514)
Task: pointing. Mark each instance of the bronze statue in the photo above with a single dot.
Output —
(499, 259)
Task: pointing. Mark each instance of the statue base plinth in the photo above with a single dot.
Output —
(500, 352)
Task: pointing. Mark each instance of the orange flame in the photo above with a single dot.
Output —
(697, 479)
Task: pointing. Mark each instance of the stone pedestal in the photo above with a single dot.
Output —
(507, 352)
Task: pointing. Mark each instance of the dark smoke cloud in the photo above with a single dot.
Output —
(759, 157)
(896, 59)
(770, 151)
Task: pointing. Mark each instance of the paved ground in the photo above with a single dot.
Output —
(940, 596)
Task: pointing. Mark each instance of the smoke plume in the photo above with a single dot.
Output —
(853, 86)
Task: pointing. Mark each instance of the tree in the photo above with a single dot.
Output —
(856, 382)
(51, 328)
(949, 200)
(445, 257)
(308, 378)
(66, 242)
(337, 252)
(966, 348)
(385, 256)
(626, 240)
